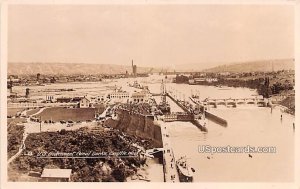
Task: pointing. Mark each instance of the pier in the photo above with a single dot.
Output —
(216, 118)
(169, 161)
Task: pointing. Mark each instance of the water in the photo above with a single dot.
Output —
(248, 125)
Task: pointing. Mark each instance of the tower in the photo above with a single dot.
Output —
(163, 92)
(27, 93)
(134, 69)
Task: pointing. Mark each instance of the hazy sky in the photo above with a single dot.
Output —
(150, 34)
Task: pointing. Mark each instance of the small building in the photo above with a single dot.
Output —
(118, 95)
(12, 94)
(141, 97)
(49, 98)
(77, 99)
(84, 103)
(211, 80)
(100, 98)
(56, 175)
(63, 100)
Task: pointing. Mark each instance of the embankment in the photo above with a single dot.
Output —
(138, 125)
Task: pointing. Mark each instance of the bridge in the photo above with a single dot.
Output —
(235, 102)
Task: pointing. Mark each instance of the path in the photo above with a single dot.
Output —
(21, 148)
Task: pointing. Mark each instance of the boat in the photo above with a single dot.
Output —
(185, 172)
(224, 88)
(136, 85)
(195, 95)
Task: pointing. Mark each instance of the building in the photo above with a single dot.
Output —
(84, 103)
(100, 98)
(211, 80)
(11, 94)
(141, 97)
(118, 95)
(224, 73)
(77, 99)
(63, 100)
(49, 98)
(56, 175)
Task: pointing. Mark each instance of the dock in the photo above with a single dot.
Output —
(169, 161)
(215, 118)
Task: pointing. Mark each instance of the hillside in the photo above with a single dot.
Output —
(69, 68)
(263, 66)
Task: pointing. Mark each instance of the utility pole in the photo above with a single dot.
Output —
(40, 124)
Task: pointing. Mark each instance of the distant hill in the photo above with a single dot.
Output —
(84, 68)
(70, 68)
(263, 66)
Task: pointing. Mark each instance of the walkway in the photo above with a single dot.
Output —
(171, 174)
(21, 148)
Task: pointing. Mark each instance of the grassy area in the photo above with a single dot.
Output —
(13, 111)
(74, 114)
(14, 138)
(13, 121)
(16, 175)
(33, 111)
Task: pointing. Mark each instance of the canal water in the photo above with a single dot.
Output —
(256, 127)
(247, 125)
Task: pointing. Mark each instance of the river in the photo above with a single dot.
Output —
(248, 125)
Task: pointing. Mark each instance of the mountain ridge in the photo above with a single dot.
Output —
(254, 66)
(19, 68)
(70, 68)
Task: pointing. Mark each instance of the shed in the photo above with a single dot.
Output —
(56, 175)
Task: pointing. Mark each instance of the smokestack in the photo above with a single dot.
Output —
(38, 76)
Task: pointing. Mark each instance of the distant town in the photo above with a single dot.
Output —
(279, 85)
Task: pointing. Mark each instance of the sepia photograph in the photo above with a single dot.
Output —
(150, 92)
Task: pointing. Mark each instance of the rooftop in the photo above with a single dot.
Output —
(56, 173)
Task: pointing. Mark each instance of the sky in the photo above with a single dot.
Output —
(156, 35)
